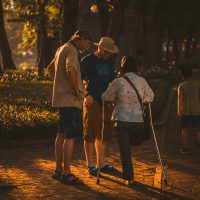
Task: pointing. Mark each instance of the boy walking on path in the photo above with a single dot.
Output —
(189, 107)
(98, 71)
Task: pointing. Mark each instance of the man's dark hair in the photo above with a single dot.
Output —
(128, 64)
(81, 34)
(186, 72)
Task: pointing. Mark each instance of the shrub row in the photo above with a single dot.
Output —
(26, 112)
(22, 75)
(25, 109)
(169, 73)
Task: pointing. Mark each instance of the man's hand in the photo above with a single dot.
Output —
(89, 100)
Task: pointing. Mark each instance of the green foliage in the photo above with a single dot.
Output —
(22, 75)
(25, 109)
(161, 89)
(168, 73)
(25, 105)
(29, 37)
(29, 14)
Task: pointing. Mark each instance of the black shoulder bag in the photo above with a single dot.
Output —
(146, 117)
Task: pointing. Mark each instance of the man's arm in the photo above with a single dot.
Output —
(85, 77)
(51, 68)
(72, 75)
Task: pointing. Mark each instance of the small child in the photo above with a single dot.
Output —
(189, 107)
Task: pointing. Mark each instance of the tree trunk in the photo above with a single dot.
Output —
(175, 47)
(1, 69)
(139, 9)
(42, 39)
(70, 19)
(117, 19)
(158, 45)
(187, 47)
(150, 32)
(104, 16)
(7, 61)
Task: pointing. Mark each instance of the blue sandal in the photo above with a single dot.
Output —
(92, 170)
(56, 175)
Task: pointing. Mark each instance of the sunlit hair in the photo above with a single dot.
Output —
(81, 34)
(128, 64)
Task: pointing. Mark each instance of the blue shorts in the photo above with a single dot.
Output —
(190, 120)
(70, 122)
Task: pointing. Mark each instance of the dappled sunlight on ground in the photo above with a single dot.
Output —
(14, 175)
(30, 169)
(44, 164)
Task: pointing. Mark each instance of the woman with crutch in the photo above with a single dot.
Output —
(128, 113)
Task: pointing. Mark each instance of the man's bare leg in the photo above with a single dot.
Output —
(68, 148)
(185, 137)
(89, 150)
(59, 151)
(100, 152)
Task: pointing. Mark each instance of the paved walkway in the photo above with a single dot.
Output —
(25, 171)
(182, 171)
(28, 169)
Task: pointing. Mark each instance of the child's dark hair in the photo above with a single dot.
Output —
(186, 72)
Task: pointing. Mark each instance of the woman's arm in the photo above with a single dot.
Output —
(148, 93)
(111, 92)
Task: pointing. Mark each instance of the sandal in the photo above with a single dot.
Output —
(92, 170)
(108, 168)
(71, 179)
(56, 175)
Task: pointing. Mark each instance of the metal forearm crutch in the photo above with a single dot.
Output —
(154, 135)
(101, 144)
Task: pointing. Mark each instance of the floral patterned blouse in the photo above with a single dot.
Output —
(127, 106)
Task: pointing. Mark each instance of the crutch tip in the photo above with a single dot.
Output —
(98, 182)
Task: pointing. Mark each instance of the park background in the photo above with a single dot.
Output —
(162, 35)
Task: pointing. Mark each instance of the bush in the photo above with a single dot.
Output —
(26, 112)
(22, 75)
(161, 89)
(25, 109)
(166, 72)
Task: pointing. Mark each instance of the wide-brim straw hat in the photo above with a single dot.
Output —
(107, 44)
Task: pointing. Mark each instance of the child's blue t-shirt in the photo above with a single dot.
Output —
(98, 73)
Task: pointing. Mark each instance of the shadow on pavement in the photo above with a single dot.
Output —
(148, 190)
(156, 192)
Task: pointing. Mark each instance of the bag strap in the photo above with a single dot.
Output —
(139, 97)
